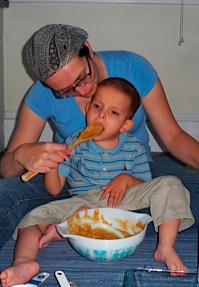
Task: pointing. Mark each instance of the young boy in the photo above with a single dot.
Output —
(111, 170)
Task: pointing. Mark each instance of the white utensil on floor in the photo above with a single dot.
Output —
(35, 281)
(61, 278)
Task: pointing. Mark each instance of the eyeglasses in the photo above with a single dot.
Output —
(70, 90)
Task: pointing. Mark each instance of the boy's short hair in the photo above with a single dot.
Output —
(125, 87)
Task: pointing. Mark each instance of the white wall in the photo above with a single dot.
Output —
(111, 1)
(1, 84)
(149, 29)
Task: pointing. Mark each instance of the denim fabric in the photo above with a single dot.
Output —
(17, 198)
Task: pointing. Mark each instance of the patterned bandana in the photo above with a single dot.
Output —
(52, 47)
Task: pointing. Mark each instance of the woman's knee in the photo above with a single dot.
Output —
(170, 180)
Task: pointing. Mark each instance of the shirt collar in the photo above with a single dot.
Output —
(91, 144)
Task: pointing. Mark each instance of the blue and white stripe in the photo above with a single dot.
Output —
(91, 166)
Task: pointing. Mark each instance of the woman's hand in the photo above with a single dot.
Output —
(41, 157)
(24, 151)
(117, 187)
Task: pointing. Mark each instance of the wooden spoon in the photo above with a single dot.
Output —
(87, 134)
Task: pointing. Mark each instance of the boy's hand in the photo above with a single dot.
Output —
(117, 188)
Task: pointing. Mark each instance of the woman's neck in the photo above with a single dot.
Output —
(100, 67)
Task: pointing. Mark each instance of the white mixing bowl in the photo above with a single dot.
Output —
(113, 220)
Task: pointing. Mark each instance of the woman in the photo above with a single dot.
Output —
(68, 72)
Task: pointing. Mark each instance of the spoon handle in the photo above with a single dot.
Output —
(28, 175)
(61, 278)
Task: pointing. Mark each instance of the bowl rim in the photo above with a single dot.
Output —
(72, 237)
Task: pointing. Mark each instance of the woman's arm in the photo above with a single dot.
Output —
(176, 140)
(24, 151)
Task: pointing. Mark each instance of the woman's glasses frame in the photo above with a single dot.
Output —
(81, 83)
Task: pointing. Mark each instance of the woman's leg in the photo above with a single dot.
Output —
(17, 198)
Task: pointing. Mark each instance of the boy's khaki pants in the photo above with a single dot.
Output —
(167, 198)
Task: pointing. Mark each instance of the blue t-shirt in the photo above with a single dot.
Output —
(91, 166)
(65, 113)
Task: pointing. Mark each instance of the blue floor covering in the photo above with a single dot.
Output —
(86, 273)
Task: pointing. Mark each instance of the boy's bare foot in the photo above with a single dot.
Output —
(49, 235)
(19, 273)
(170, 257)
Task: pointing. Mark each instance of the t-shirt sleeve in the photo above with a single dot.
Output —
(141, 168)
(64, 168)
(145, 76)
(38, 100)
(131, 66)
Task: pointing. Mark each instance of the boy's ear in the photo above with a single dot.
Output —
(87, 107)
(128, 124)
